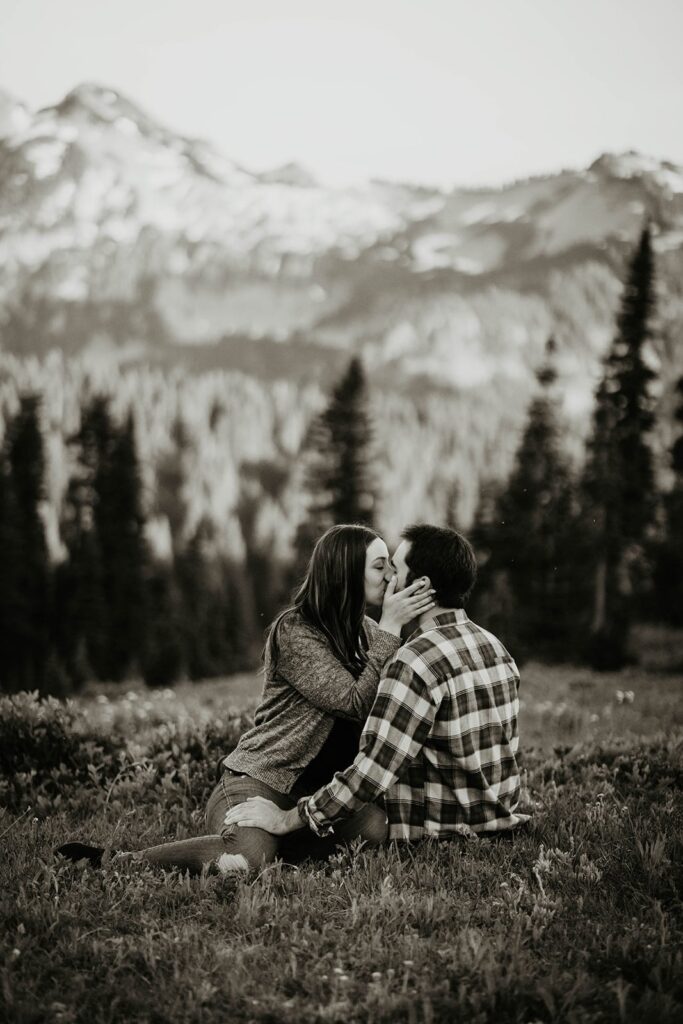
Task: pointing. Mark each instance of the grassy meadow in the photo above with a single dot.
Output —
(577, 920)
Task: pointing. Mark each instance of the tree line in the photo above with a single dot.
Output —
(108, 609)
(568, 559)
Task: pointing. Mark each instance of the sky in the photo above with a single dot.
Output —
(440, 92)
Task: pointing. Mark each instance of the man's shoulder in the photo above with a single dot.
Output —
(452, 648)
(415, 655)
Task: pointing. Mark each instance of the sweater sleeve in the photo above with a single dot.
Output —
(308, 663)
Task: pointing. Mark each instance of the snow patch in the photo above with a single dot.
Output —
(126, 125)
(466, 265)
(74, 287)
(668, 242)
(434, 250)
(477, 213)
(440, 250)
(671, 178)
(46, 157)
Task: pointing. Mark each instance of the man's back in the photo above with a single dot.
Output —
(466, 775)
(440, 741)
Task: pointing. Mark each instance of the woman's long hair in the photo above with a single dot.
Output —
(331, 598)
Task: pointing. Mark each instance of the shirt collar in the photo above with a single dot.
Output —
(454, 617)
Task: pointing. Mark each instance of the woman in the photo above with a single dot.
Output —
(323, 660)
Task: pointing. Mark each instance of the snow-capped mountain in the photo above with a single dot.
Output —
(124, 239)
(101, 205)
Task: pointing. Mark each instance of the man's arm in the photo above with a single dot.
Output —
(395, 732)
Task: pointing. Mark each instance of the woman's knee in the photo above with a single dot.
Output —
(253, 844)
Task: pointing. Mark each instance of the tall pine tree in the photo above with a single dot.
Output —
(120, 524)
(530, 586)
(339, 479)
(101, 586)
(668, 576)
(25, 588)
(619, 479)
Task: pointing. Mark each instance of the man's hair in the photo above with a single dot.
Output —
(446, 557)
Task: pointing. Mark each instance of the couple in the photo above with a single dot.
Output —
(436, 756)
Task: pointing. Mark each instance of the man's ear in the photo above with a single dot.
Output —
(425, 581)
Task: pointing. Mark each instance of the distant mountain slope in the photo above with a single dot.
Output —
(124, 242)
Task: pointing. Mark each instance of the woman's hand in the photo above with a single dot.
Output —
(400, 608)
(257, 812)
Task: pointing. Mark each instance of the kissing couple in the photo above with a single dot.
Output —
(361, 732)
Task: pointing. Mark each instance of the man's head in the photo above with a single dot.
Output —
(441, 555)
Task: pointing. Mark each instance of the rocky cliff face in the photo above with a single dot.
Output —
(152, 266)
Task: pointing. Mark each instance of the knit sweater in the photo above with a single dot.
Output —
(303, 695)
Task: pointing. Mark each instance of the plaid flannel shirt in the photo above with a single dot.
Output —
(440, 741)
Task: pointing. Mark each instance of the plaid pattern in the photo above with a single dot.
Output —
(440, 741)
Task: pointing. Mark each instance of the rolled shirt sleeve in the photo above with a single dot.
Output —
(396, 730)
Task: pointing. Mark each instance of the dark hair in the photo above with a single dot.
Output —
(446, 557)
(331, 598)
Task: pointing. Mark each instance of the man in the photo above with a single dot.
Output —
(441, 739)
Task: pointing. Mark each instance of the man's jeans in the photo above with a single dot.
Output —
(259, 847)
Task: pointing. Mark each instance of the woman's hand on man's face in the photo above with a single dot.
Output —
(401, 607)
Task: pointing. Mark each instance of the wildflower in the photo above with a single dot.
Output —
(337, 970)
(407, 963)
(343, 977)
(376, 975)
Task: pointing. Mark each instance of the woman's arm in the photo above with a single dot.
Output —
(307, 662)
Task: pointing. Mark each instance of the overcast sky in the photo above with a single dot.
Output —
(439, 91)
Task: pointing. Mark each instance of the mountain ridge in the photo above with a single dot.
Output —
(130, 245)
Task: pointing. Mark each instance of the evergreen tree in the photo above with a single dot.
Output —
(119, 523)
(81, 605)
(338, 448)
(529, 589)
(668, 577)
(11, 604)
(25, 589)
(619, 475)
(101, 586)
(217, 614)
(163, 660)
(351, 495)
